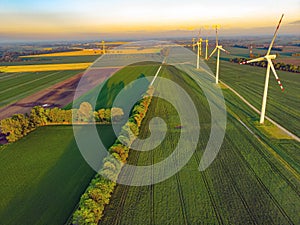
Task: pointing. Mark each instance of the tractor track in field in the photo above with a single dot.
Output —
(260, 182)
(124, 194)
(233, 184)
(180, 192)
(29, 82)
(152, 190)
(211, 197)
(273, 167)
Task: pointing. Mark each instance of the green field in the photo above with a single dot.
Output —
(246, 184)
(283, 107)
(111, 88)
(15, 86)
(43, 176)
(52, 60)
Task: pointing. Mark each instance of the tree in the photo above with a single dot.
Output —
(107, 115)
(101, 115)
(85, 112)
(38, 117)
(15, 127)
(117, 114)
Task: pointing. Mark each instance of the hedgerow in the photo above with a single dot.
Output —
(97, 195)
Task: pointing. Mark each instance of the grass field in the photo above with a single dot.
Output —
(246, 184)
(15, 86)
(116, 83)
(52, 60)
(44, 67)
(283, 107)
(43, 176)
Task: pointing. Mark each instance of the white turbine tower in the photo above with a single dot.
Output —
(103, 47)
(199, 51)
(206, 43)
(270, 65)
(193, 44)
(218, 48)
(206, 49)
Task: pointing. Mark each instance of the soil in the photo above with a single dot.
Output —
(59, 94)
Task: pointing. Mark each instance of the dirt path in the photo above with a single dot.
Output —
(59, 94)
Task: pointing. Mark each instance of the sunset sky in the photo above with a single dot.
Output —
(71, 19)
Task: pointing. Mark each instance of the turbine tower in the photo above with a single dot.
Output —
(198, 54)
(193, 44)
(218, 48)
(270, 65)
(103, 47)
(206, 42)
(199, 49)
(206, 49)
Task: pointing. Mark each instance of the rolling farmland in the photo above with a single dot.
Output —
(139, 113)
(246, 184)
(15, 86)
(43, 180)
(254, 179)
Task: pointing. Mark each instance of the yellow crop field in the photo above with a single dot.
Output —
(46, 67)
(73, 53)
(134, 51)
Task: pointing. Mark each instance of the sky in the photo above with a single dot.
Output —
(84, 19)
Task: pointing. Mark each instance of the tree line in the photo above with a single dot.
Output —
(20, 125)
(98, 193)
(278, 66)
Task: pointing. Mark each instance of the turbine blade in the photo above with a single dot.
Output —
(275, 74)
(275, 35)
(213, 52)
(256, 60)
(222, 49)
(217, 41)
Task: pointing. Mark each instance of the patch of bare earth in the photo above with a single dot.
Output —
(59, 94)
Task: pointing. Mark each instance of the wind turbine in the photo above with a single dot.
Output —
(270, 65)
(218, 48)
